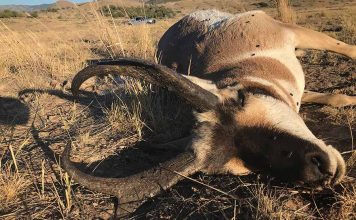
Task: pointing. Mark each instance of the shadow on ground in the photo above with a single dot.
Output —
(13, 111)
(125, 162)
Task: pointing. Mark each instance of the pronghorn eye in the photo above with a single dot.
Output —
(316, 161)
(241, 97)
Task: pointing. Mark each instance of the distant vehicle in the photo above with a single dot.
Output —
(141, 20)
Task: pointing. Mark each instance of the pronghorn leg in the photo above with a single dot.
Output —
(336, 100)
(309, 39)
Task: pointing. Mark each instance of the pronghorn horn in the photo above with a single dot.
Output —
(158, 74)
(139, 186)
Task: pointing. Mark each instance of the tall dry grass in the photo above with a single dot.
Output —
(285, 12)
(42, 53)
(12, 186)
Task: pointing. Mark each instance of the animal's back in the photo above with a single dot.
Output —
(204, 41)
(213, 44)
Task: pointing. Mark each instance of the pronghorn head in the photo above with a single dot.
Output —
(267, 136)
(239, 130)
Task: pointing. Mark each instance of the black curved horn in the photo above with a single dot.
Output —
(160, 75)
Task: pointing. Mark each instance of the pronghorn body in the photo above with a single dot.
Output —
(241, 73)
(220, 51)
(249, 48)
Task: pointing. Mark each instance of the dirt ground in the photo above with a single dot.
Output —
(111, 128)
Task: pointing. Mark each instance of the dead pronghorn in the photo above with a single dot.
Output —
(248, 85)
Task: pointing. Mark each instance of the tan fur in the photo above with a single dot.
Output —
(309, 39)
(209, 117)
(254, 115)
(236, 166)
(201, 145)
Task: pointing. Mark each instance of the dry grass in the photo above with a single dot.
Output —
(345, 209)
(43, 57)
(48, 56)
(349, 25)
(125, 119)
(12, 186)
(285, 12)
(44, 52)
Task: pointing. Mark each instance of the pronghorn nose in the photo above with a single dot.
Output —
(319, 163)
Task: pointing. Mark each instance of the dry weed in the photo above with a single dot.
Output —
(285, 12)
(125, 119)
(12, 186)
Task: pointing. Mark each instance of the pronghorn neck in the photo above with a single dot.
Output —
(261, 89)
(260, 78)
(256, 87)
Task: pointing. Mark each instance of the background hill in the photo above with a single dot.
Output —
(121, 3)
(63, 4)
(27, 8)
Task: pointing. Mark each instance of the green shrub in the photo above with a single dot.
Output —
(50, 10)
(9, 14)
(34, 14)
(151, 11)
